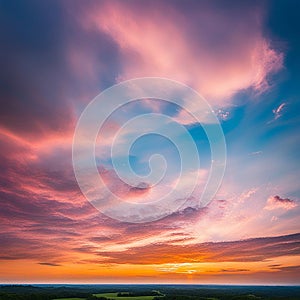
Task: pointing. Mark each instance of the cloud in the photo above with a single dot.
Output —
(32, 94)
(256, 152)
(279, 110)
(51, 68)
(58, 57)
(250, 250)
(211, 59)
(122, 189)
(294, 269)
(223, 115)
(234, 270)
(275, 202)
(49, 264)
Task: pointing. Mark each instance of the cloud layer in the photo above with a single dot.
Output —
(57, 57)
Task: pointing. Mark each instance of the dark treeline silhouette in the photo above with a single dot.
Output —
(160, 292)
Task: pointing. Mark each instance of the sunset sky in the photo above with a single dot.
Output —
(241, 56)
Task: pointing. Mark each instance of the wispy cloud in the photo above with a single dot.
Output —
(279, 110)
(217, 68)
(236, 251)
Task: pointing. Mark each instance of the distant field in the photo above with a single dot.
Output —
(115, 296)
(70, 299)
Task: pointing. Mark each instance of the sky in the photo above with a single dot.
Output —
(241, 56)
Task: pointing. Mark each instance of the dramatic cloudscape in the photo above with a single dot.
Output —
(241, 56)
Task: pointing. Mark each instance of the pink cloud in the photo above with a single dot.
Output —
(122, 189)
(218, 60)
(275, 202)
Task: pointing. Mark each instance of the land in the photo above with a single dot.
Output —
(116, 296)
(148, 292)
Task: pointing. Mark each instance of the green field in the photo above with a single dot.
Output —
(70, 299)
(115, 296)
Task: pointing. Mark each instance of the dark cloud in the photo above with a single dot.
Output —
(39, 84)
(294, 269)
(49, 264)
(282, 200)
(234, 270)
(276, 202)
(33, 68)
